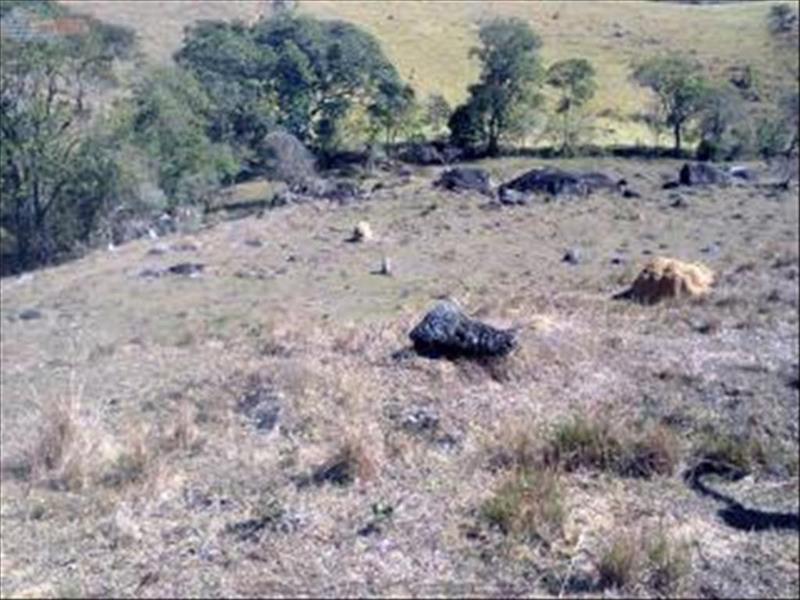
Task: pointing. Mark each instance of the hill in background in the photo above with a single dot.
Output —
(429, 41)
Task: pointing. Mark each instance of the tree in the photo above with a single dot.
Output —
(290, 71)
(574, 79)
(781, 19)
(53, 181)
(510, 70)
(323, 69)
(234, 72)
(467, 126)
(437, 112)
(680, 89)
(168, 121)
(392, 109)
(724, 125)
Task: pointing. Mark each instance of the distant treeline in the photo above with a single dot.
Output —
(172, 136)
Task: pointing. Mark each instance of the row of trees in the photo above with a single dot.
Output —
(68, 173)
(508, 97)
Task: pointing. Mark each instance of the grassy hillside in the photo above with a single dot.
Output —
(131, 436)
(429, 40)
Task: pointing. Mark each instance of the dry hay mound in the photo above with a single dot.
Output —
(664, 278)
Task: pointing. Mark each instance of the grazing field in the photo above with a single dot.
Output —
(429, 41)
(261, 429)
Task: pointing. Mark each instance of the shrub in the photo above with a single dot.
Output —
(729, 454)
(582, 444)
(619, 563)
(528, 505)
(668, 563)
(652, 558)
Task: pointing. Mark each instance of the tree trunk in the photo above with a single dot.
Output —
(493, 149)
(677, 132)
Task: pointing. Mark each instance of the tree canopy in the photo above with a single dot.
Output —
(510, 72)
(295, 72)
(53, 180)
(680, 88)
(574, 80)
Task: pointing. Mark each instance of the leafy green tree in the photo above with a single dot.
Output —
(53, 182)
(724, 125)
(467, 126)
(290, 71)
(437, 112)
(510, 72)
(322, 70)
(574, 80)
(680, 88)
(393, 109)
(781, 19)
(235, 73)
(168, 121)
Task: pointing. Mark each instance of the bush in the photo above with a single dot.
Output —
(528, 505)
(582, 444)
(652, 559)
(729, 454)
(619, 563)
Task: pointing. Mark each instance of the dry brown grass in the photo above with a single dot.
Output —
(644, 561)
(528, 504)
(596, 444)
(667, 278)
(321, 335)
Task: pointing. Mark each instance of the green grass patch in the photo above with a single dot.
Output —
(528, 505)
(583, 444)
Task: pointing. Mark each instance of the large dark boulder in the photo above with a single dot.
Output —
(447, 332)
(283, 157)
(422, 154)
(554, 182)
(743, 173)
(465, 179)
(600, 181)
(700, 173)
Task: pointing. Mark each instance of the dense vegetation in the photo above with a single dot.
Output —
(180, 132)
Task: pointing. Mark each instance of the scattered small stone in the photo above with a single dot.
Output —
(742, 172)
(185, 247)
(186, 269)
(29, 314)
(253, 243)
(362, 233)
(421, 420)
(671, 185)
(261, 405)
(381, 513)
(158, 250)
(707, 326)
(573, 256)
(679, 202)
(386, 267)
(339, 472)
(628, 193)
